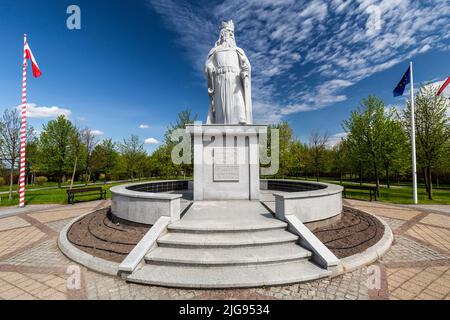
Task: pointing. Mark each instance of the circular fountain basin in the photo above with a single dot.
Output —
(314, 203)
(146, 202)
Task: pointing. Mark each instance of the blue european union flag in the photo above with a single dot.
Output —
(400, 88)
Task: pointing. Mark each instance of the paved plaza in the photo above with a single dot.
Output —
(416, 267)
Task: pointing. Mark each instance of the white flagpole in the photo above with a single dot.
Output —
(413, 135)
(23, 128)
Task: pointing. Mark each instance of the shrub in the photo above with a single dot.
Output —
(41, 180)
(102, 177)
(2, 181)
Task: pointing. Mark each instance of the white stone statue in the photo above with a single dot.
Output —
(229, 81)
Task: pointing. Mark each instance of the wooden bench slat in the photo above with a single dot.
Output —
(371, 190)
(87, 191)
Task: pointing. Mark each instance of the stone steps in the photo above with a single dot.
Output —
(208, 225)
(228, 276)
(227, 245)
(226, 239)
(228, 256)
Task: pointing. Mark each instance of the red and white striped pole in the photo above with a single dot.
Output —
(23, 139)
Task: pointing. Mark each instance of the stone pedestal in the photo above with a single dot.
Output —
(226, 161)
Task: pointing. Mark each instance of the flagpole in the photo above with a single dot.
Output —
(413, 135)
(23, 127)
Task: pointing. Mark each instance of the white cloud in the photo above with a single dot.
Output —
(151, 141)
(336, 138)
(325, 42)
(144, 126)
(315, 9)
(35, 111)
(97, 133)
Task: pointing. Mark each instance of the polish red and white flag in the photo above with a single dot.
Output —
(445, 89)
(29, 55)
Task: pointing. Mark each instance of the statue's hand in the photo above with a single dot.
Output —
(244, 74)
(210, 69)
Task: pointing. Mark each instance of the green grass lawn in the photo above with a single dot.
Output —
(403, 195)
(15, 187)
(400, 194)
(5, 187)
(58, 196)
(48, 196)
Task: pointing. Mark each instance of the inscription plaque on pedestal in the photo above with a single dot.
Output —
(225, 166)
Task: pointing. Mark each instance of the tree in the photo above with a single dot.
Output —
(89, 141)
(394, 145)
(10, 141)
(340, 158)
(184, 118)
(33, 154)
(55, 143)
(432, 131)
(133, 156)
(76, 151)
(297, 159)
(159, 162)
(317, 149)
(105, 157)
(285, 143)
(366, 133)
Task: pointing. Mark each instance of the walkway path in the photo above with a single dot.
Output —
(439, 208)
(416, 267)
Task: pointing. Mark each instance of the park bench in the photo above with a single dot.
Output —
(372, 190)
(84, 192)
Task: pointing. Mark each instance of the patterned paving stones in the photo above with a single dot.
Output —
(416, 267)
(408, 250)
(438, 237)
(16, 239)
(12, 223)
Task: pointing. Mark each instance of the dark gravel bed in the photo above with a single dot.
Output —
(103, 236)
(354, 233)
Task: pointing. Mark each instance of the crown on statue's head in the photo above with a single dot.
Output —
(228, 25)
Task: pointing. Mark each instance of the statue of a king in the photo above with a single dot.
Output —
(229, 81)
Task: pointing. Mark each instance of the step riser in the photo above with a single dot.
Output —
(222, 231)
(235, 252)
(216, 245)
(225, 286)
(153, 261)
(218, 277)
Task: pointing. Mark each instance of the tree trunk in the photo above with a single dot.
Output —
(425, 176)
(377, 178)
(87, 177)
(73, 172)
(11, 177)
(60, 180)
(387, 176)
(430, 184)
(360, 175)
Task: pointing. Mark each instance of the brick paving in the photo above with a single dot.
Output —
(12, 223)
(416, 267)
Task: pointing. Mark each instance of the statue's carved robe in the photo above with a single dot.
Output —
(229, 86)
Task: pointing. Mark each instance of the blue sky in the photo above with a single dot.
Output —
(140, 62)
